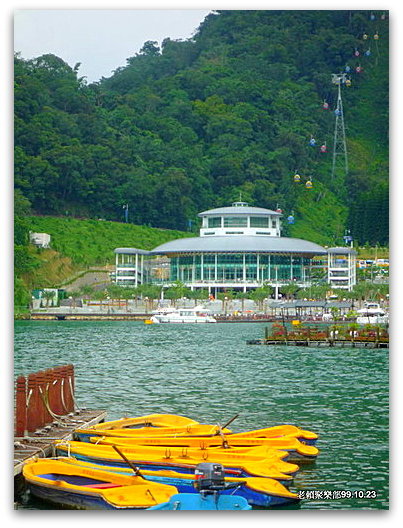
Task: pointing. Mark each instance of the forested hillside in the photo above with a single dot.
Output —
(194, 124)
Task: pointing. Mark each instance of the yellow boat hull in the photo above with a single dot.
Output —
(257, 491)
(254, 482)
(187, 430)
(74, 486)
(285, 443)
(149, 420)
(268, 464)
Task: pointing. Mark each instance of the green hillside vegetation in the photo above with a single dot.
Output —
(319, 207)
(92, 242)
(76, 245)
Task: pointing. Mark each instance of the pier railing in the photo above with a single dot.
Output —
(42, 398)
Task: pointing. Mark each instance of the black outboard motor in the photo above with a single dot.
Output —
(209, 477)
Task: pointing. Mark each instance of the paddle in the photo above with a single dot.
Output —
(134, 468)
(230, 421)
(220, 428)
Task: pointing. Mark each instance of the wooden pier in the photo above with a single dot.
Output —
(316, 343)
(40, 442)
(45, 411)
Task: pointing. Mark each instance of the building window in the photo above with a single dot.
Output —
(262, 232)
(235, 221)
(259, 221)
(209, 233)
(273, 224)
(214, 221)
(234, 232)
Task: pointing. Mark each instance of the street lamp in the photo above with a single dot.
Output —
(126, 208)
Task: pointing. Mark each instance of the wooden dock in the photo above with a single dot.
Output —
(315, 343)
(40, 442)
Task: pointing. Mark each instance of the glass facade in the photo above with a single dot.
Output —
(235, 221)
(239, 267)
(214, 221)
(259, 221)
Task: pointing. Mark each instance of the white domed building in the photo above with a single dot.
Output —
(239, 248)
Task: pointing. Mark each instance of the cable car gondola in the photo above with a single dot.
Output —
(291, 219)
(323, 147)
(297, 178)
(325, 105)
(312, 142)
(309, 184)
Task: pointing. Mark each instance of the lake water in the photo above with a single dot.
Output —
(209, 373)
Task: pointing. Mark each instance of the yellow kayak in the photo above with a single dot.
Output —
(270, 464)
(202, 430)
(186, 430)
(256, 490)
(73, 486)
(285, 443)
(149, 420)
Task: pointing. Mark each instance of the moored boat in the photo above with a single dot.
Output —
(198, 430)
(372, 313)
(258, 491)
(149, 420)
(182, 315)
(187, 430)
(246, 464)
(296, 449)
(72, 486)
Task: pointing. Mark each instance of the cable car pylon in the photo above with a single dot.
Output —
(339, 144)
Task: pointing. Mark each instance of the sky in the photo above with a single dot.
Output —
(100, 39)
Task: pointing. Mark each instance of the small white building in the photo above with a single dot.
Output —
(41, 240)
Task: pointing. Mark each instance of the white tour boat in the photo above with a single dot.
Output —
(182, 315)
(372, 313)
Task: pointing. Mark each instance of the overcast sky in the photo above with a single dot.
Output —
(100, 39)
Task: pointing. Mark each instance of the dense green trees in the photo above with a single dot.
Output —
(190, 124)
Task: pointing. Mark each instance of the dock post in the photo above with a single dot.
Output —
(21, 406)
(70, 388)
(47, 394)
(41, 385)
(64, 388)
(33, 418)
(57, 388)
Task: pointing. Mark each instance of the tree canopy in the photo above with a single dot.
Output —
(191, 124)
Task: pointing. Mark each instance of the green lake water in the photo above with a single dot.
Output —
(209, 373)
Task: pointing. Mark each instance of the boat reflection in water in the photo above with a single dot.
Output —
(182, 315)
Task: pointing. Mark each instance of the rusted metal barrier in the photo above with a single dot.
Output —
(43, 397)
